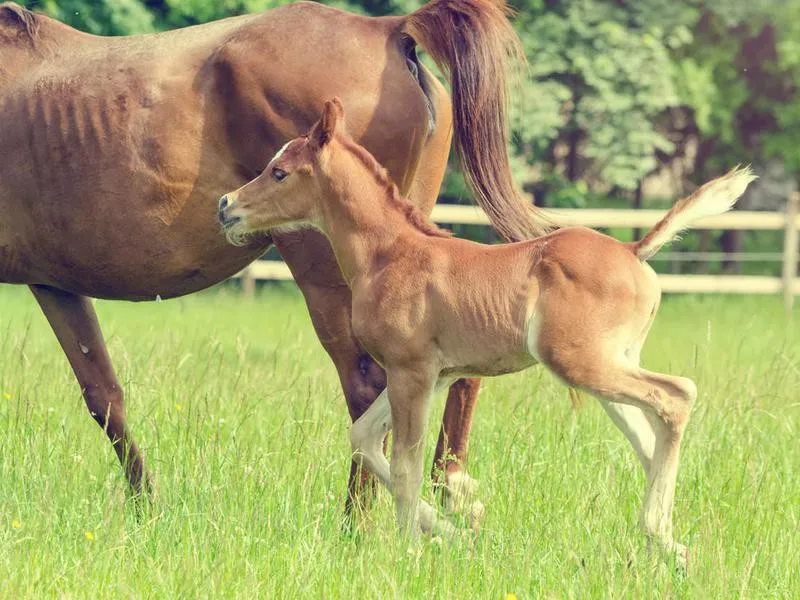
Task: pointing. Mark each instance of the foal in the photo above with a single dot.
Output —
(431, 308)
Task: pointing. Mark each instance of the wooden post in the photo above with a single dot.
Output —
(790, 251)
(248, 282)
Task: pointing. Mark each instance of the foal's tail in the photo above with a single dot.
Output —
(714, 198)
(474, 42)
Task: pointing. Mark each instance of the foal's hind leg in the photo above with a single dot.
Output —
(75, 324)
(666, 401)
(633, 422)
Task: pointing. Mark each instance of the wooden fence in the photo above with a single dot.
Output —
(788, 222)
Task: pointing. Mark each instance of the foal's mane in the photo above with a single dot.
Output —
(413, 215)
(15, 15)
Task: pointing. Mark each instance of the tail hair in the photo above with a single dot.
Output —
(714, 198)
(475, 44)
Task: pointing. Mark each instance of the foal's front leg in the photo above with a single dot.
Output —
(367, 436)
(410, 391)
(329, 302)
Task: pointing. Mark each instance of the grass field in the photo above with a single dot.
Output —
(242, 421)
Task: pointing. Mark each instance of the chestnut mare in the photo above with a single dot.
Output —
(431, 308)
(114, 151)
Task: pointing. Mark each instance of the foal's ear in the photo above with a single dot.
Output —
(324, 130)
(337, 104)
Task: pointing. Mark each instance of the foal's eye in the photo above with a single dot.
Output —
(279, 174)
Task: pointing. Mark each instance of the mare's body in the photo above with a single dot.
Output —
(107, 143)
(113, 152)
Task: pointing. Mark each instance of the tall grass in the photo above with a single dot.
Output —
(241, 417)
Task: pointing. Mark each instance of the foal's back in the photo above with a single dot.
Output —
(483, 308)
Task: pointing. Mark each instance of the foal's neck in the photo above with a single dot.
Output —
(359, 220)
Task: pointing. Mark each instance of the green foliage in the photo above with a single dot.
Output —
(783, 142)
(739, 78)
(102, 17)
(182, 12)
(599, 78)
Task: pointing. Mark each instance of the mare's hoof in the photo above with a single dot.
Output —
(459, 498)
(459, 492)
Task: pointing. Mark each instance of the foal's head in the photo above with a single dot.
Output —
(289, 191)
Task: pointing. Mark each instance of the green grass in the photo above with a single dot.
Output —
(240, 414)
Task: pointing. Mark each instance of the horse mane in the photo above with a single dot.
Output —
(412, 214)
(14, 15)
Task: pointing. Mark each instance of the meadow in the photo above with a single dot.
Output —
(240, 414)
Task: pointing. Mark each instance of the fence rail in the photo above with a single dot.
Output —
(789, 222)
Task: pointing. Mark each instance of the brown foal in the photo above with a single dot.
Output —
(431, 308)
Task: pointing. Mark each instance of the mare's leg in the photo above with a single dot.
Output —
(451, 450)
(453, 444)
(75, 324)
(366, 437)
(314, 267)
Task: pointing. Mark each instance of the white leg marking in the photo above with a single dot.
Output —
(366, 438)
(632, 421)
(532, 335)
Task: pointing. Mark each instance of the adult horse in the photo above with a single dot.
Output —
(114, 151)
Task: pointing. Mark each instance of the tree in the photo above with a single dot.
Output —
(600, 77)
(101, 17)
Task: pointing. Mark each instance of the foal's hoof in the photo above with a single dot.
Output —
(668, 554)
(475, 515)
(459, 490)
(681, 558)
(677, 554)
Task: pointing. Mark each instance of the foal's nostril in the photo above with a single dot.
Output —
(223, 204)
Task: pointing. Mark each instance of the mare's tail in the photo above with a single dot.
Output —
(714, 198)
(474, 42)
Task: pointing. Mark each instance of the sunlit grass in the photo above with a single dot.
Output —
(243, 424)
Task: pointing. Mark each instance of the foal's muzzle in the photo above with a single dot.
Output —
(225, 219)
